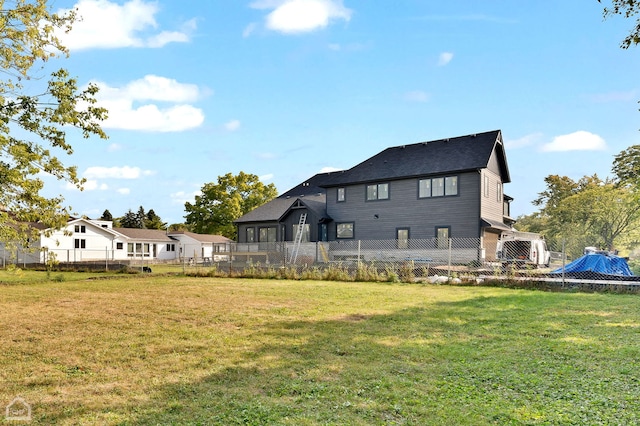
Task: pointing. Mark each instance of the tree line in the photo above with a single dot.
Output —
(591, 211)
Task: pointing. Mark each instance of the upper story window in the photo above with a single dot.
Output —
(486, 186)
(80, 228)
(498, 192)
(341, 195)
(378, 191)
(438, 187)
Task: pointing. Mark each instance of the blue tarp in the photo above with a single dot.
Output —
(601, 263)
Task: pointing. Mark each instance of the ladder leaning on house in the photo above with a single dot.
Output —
(298, 238)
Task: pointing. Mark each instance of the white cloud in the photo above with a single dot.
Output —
(299, 16)
(329, 169)
(182, 197)
(631, 95)
(266, 155)
(108, 25)
(265, 178)
(88, 185)
(124, 111)
(114, 147)
(528, 140)
(416, 96)
(232, 125)
(249, 29)
(576, 141)
(125, 172)
(123, 191)
(444, 58)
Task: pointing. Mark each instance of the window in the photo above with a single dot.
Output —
(451, 185)
(486, 186)
(267, 235)
(119, 246)
(379, 191)
(402, 235)
(80, 243)
(130, 251)
(80, 228)
(344, 230)
(424, 188)
(442, 237)
(251, 235)
(171, 247)
(438, 187)
(341, 195)
(499, 192)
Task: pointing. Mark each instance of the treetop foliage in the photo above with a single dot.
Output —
(628, 9)
(35, 118)
(223, 202)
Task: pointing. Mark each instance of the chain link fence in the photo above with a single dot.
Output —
(429, 260)
(438, 260)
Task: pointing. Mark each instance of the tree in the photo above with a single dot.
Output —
(130, 220)
(628, 9)
(106, 215)
(606, 212)
(35, 118)
(153, 221)
(221, 203)
(589, 212)
(626, 167)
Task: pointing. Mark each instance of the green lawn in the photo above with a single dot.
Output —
(174, 350)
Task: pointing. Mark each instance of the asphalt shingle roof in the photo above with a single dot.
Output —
(452, 155)
(275, 209)
(144, 234)
(203, 238)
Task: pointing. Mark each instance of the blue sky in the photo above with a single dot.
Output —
(285, 89)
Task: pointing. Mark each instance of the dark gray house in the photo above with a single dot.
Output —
(448, 188)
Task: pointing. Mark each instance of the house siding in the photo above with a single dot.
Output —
(404, 209)
(492, 208)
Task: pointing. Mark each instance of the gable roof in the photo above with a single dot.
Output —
(277, 208)
(451, 155)
(311, 186)
(144, 234)
(203, 238)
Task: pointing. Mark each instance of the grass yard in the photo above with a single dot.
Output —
(148, 349)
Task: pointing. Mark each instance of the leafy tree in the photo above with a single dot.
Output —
(179, 227)
(106, 215)
(626, 167)
(221, 203)
(130, 220)
(628, 9)
(35, 118)
(589, 212)
(153, 221)
(141, 217)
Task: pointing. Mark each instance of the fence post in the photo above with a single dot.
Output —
(564, 260)
(359, 246)
(449, 262)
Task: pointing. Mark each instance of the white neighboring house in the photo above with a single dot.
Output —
(203, 247)
(85, 240)
(81, 240)
(148, 244)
